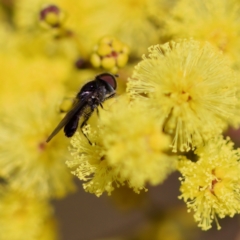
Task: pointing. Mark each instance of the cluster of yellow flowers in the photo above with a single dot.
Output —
(178, 91)
(112, 160)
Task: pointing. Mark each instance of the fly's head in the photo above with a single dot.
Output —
(107, 85)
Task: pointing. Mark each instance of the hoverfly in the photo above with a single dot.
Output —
(91, 95)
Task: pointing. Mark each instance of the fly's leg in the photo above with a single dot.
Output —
(97, 112)
(97, 109)
(82, 126)
(87, 116)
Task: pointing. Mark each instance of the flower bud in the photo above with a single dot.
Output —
(110, 54)
(51, 16)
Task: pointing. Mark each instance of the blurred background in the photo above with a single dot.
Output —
(155, 215)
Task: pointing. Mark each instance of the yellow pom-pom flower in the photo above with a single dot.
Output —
(29, 164)
(217, 22)
(25, 218)
(191, 87)
(130, 148)
(135, 144)
(210, 186)
(89, 164)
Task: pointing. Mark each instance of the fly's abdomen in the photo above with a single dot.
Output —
(71, 127)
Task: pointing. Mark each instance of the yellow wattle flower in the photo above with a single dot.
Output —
(88, 163)
(210, 187)
(190, 87)
(25, 218)
(208, 20)
(135, 144)
(29, 164)
(128, 147)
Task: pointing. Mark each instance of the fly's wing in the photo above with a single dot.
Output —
(75, 109)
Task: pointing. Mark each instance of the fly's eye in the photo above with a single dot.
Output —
(109, 78)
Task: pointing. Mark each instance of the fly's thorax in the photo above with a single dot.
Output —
(87, 90)
(100, 94)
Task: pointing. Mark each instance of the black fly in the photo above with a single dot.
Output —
(91, 95)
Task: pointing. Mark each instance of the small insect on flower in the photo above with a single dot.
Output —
(91, 95)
